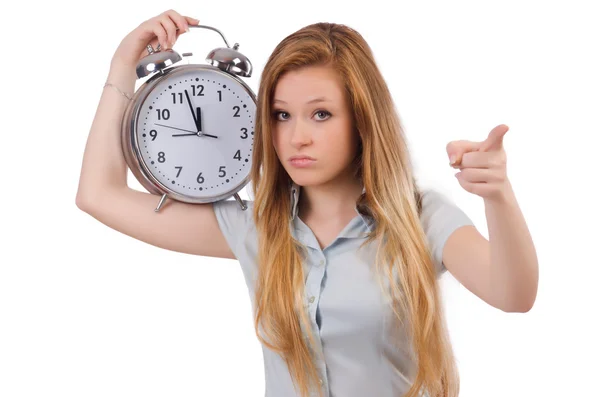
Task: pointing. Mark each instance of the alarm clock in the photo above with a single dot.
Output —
(188, 132)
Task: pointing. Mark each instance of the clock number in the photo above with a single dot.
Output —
(153, 134)
(220, 99)
(161, 157)
(178, 171)
(237, 155)
(237, 112)
(245, 130)
(199, 178)
(174, 94)
(200, 92)
(165, 114)
(222, 170)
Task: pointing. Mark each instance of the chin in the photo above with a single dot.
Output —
(307, 178)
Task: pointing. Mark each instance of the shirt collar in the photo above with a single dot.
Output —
(363, 223)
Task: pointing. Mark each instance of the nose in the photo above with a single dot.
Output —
(300, 135)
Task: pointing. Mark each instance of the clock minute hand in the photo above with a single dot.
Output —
(189, 101)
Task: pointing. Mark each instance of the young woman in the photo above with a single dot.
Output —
(341, 252)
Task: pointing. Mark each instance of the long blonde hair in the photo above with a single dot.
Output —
(391, 197)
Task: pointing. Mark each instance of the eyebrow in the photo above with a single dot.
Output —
(320, 99)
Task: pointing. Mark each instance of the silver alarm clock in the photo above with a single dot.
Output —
(188, 132)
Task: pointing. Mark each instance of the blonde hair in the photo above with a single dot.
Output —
(391, 197)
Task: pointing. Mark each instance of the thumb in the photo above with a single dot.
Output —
(192, 21)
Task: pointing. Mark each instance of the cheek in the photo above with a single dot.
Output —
(341, 137)
(274, 139)
(276, 143)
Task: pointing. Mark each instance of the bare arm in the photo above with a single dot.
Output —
(187, 228)
(103, 163)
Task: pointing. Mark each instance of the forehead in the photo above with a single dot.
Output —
(308, 83)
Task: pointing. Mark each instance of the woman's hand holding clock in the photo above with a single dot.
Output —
(163, 29)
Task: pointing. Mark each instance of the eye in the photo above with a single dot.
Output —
(325, 113)
(276, 113)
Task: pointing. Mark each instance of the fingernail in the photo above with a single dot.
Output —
(452, 159)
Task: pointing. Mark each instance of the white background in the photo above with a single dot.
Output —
(88, 311)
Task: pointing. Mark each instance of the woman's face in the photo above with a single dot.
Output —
(321, 129)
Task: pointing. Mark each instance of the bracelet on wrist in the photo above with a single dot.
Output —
(107, 84)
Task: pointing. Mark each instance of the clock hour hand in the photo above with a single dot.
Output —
(199, 119)
(189, 101)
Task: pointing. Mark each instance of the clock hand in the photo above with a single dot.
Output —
(189, 101)
(197, 134)
(182, 129)
(175, 128)
(199, 118)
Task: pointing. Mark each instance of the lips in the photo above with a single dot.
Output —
(301, 157)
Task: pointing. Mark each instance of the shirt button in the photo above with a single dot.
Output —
(321, 381)
(312, 299)
(321, 262)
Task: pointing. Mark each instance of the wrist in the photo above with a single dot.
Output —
(122, 76)
(119, 66)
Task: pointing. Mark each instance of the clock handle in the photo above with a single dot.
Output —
(161, 202)
(152, 50)
(211, 28)
(240, 202)
(227, 59)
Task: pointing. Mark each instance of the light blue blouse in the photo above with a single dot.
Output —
(350, 317)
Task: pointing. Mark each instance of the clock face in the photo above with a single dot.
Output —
(195, 132)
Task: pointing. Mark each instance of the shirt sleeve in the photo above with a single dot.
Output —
(233, 221)
(440, 217)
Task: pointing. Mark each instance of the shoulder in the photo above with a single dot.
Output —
(230, 211)
(440, 216)
(234, 221)
(435, 203)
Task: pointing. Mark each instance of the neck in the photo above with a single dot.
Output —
(331, 201)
